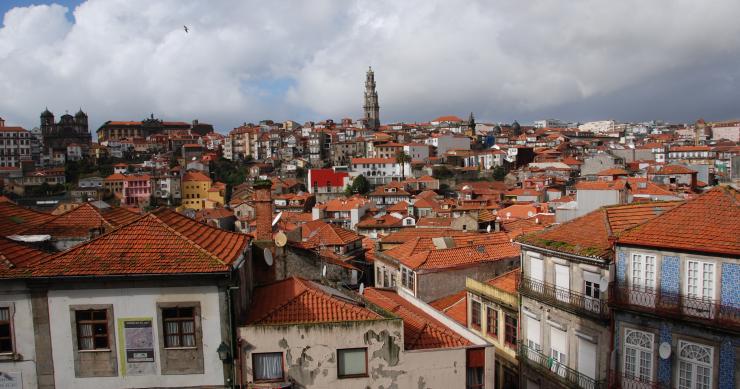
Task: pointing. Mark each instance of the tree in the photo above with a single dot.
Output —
(403, 158)
(499, 173)
(441, 172)
(360, 185)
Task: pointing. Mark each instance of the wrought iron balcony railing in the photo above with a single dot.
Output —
(564, 298)
(551, 368)
(620, 380)
(675, 305)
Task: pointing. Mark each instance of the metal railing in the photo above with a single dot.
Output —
(564, 298)
(675, 305)
(556, 370)
(620, 380)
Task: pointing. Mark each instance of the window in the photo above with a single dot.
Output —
(694, 365)
(352, 362)
(6, 333)
(475, 360)
(638, 355)
(510, 330)
(700, 280)
(491, 321)
(643, 272)
(92, 329)
(179, 327)
(267, 366)
(475, 314)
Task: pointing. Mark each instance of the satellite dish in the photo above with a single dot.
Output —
(323, 271)
(280, 239)
(276, 219)
(488, 229)
(268, 256)
(362, 288)
(664, 350)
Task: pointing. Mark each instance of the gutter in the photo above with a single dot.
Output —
(579, 258)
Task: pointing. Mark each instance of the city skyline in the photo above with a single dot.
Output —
(244, 62)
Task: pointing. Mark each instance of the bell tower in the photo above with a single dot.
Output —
(372, 109)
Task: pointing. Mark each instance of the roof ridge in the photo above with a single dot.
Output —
(288, 301)
(182, 236)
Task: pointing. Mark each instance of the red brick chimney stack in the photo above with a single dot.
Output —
(262, 199)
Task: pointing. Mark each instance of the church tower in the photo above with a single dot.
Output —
(372, 109)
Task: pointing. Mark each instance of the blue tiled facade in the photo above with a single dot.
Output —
(727, 363)
(621, 266)
(731, 284)
(669, 278)
(664, 365)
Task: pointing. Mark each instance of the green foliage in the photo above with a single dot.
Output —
(300, 172)
(442, 172)
(360, 185)
(499, 173)
(229, 172)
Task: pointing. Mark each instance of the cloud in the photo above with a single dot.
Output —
(248, 60)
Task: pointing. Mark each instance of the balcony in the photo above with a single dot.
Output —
(564, 298)
(621, 380)
(675, 305)
(552, 369)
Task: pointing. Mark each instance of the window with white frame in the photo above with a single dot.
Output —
(267, 367)
(638, 354)
(643, 272)
(6, 330)
(700, 279)
(694, 365)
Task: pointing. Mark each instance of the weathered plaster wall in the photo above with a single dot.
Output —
(19, 300)
(309, 353)
(133, 303)
(432, 286)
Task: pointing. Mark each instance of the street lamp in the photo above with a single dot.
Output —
(223, 352)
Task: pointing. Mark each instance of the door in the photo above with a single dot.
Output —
(558, 351)
(562, 283)
(587, 360)
(699, 289)
(642, 280)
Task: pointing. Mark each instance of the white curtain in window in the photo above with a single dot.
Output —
(188, 327)
(268, 366)
(4, 314)
(172, 340)
(352, 362)
(86, 330)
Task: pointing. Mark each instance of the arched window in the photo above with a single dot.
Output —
(694, 366)
(638, 355)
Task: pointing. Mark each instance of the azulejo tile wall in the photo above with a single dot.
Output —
(731, 284)
(669, 278)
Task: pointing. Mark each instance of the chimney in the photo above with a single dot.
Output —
(2, 122)
(263, 210)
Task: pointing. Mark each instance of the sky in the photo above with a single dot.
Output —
(245, 61)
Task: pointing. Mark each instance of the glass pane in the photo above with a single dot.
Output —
(173, 341)
(268, 366)
(86, 329)
(101, 328)
(4, 330)
(170, 327)
(186, 312)
(101, 342)
(188, 340)
(169, 313)
(4, 314)
(83, 315)
(352, 362)
(98, 315)
(6, 345)
(188, 327)
(86, 344)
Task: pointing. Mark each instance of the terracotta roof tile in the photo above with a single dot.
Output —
(421, 330)
(146, 246)
(589, 235)
(17, 259)
(296, 300)
(708, 223)
(455, 306)
(406, 234)
(14, 218)
(507, 282)
(441, 259)
(77, 222)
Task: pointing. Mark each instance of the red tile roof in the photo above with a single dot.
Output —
(434, 222)
(374, 160)
(448, 118)
(195, 176)
(14, 218)
(322, 176)
(455, 306)
(223, 244)
(589, 235)
(601, 185)
(410, 233)
(506, 282)
(440, 260)
(146, 246)
(613, 172)
(708, 223)
(75, 223)
(421, 330)
(319, 233)
(296, 300)
(17, 259)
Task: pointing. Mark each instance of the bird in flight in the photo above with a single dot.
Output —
(186, 29)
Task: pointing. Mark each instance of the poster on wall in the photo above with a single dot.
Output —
(137, 348)
(10, 380)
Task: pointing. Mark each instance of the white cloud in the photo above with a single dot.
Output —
(245, 61)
